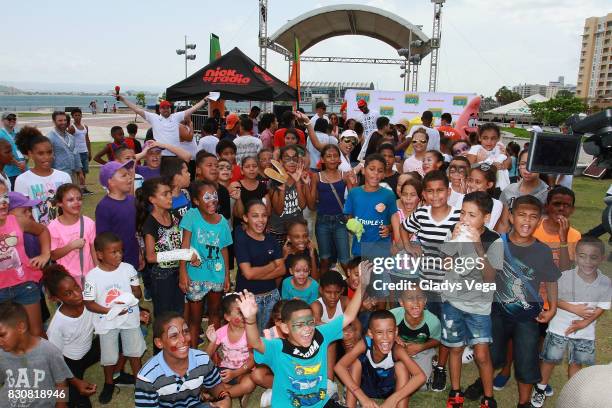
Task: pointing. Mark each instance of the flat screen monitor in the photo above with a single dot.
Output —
(553, 153)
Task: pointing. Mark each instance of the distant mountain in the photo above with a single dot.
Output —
(9, 90)
(31, 86)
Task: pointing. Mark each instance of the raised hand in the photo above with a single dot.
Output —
(211, 334)
(247, 305)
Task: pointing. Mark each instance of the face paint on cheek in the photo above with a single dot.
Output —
(301, 323)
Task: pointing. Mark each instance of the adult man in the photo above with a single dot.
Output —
(105, 107)
(209, 139)
(445, 127)
(165, 125)
(320, 109)
(232, 126)
(65, 157)
(82, 145)
(368, 120)
(434, 135)
(255, 111)
(8, 132)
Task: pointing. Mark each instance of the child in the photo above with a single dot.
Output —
(492, 152)
(41, 181)
(584, 294)
(132, 129)
(21, 274)
(409, 191)
(377, 368)
(247, 189)
(228, 344)
(226, 171)
(351, 335)
(177, 172)
(518, 308)
(152, 157)
(273, 330)
(352, 277)
(6, 161)
(226, 150)
(110, 280)
(458, 170)
(264, 161)
(299, 368)
(460, 148)
(247, 145)
(387, 151)
(124, 155)
(482, 178)
(72, 234)
(372, 206)
(116, 212)
(29, 363)
(208, 169)
(555, 229)
(209, 234)
(466, 312)
(118, 141)
(418, 330)
(433, 160)
(71, 329)
(161, 233)
(299, 243)
(300, 285)
(513, 150)
(165, 380)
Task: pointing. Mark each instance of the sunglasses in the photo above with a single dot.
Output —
(288, 159)
(482, 166)
(419, 141)
(11, 118)
(349, 140)
(208, 197)
(457, 169)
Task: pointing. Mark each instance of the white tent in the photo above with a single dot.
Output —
(520, 107)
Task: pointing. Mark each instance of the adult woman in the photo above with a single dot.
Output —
(335, 128)
(348, 142)
(327, 198)
(419, 142)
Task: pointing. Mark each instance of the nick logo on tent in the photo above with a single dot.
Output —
(261, 73)
(227, 76)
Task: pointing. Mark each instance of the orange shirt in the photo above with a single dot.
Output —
(450, 133)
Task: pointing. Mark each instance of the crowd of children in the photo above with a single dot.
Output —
(498, 275)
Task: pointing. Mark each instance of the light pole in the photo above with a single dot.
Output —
(187, 56)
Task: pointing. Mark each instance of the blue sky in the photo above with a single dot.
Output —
(485, 44)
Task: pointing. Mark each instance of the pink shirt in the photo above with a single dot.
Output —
(233, 355)
(413, 164)
(15, 267)
(267, 138)
(62, 235)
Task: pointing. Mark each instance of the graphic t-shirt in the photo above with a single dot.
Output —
(62, 235)
(208, 239)
(233, 355)
(167, 238)
(14, 263)
(291, 210)
(517, 284)
(103, 287)
(372, 209)
(368, 120)
(180, 204)
(42, 188)
(247, 146)
(450, 133)
(308, 295)
(39, 369)
(428, 328)
(300, 373)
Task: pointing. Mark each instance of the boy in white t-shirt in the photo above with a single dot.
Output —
(584, 294)
(110, 293)
(492, 151)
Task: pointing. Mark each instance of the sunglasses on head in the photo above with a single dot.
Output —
(482, 166)
(208, 197)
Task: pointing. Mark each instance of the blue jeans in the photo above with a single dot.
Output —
(265, 303)
(332, 237)
(461, 328)
(165, 292)
(579, 351)
(26, 293)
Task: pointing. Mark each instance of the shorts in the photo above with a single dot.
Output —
(84, 162)
(27, 293)
(132, 345)
(579, 351)
(461, 328)
(198, 289)
(424, 361)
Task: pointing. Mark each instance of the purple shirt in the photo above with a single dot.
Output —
(147, 172)
(119, 217)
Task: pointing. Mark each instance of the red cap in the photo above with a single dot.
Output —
(165, 104)
(361, 103)
(231, 120)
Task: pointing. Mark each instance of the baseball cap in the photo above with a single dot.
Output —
(18, 200)
(149, 143)
(109, 169)
(231, 120)
(6, 115)
(165, 104)
(349, 133)
(361, 103)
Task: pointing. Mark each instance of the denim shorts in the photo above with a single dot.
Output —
(198, 289)
(84, 162)
(461, 328)
(579, 351)
(265, 303)
(332, 238)
(27, 293)
(132, 345)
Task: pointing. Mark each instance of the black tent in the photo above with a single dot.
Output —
(237, 77)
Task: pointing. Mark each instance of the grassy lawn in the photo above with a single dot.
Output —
(518, 132)
(589, 204)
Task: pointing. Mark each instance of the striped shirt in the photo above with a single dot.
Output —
(431, 234)
(157, 385)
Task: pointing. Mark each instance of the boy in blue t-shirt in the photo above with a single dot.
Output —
(299, 362)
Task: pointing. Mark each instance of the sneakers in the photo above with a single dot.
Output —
(146, 295)
(468, 355)
(475, 390)
(438, 383)
(107, 394)
(266, 398)
(538, 395)
(455, 400)
(549, 391)
(500, 381)
(86, 192)
(487, 402)
(124, 380)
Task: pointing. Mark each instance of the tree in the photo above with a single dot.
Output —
(564, 93)
(556, 110)
(505, 96)
(140, 99)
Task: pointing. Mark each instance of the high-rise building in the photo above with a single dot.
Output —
(554, 87)
(595, 69)
(526, 90)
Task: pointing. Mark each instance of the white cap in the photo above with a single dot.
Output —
(535, 129)
(349, 133)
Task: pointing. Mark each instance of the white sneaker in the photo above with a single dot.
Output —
(537, 397)
(266, 398)
(468, 355)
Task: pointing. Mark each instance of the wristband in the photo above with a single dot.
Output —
(250, 323)
(563, 246)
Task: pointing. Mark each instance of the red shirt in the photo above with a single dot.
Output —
(236, 173)
(450, 133)
(279, 137)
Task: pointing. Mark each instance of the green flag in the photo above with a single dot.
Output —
(215, 47)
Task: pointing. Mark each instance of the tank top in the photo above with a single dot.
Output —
(247, 195)
(385, 364)
(14, 262)
(324, 316)
(328, 203)
(80, 144)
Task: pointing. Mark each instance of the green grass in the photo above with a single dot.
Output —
(589, 204)
(518, 132)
